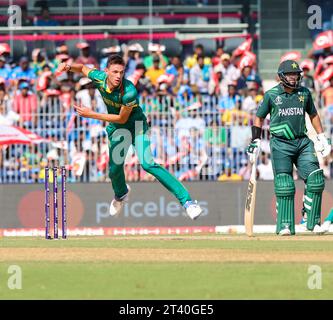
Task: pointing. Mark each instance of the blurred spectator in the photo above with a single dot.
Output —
(106, 52)
(44, 80)
(265, 167)
(31, 159)
(23, 71)
(327, 95)
(229, 71)
(89, 96)
(232, 100)
(217, 57)
(141, 82)
(155, 49)
(45, 20)
(180, 73)
(199, 76)
(132, 58)
(66, 96)
(245, 73)
(62, 55)
(307, 80)
(240, 135)
(5, 70)
(164, 86)
(26, 20)
(197, 156)
(39, 60)
(218, 85)
(254, 79)
(25, 104)
(191, 61)
(215, 137)
(188, 119)
(7, 116)
(85, 57)
(245, 170)
(5, 51)
(228, 174)
(154, 72)
(184, 96)
(252, 99)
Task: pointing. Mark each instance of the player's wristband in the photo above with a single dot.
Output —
(256, 133)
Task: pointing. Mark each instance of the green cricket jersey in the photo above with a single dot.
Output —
(287, 111)
(124, 96)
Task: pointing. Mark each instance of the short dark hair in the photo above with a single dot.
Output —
(140, 66)
(115, 59)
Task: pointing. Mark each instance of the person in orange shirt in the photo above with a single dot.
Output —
(25, 104)
(155, 71)
(327, 95)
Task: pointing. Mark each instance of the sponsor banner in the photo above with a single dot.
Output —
(150, 205)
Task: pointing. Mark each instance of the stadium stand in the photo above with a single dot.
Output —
(200, 103)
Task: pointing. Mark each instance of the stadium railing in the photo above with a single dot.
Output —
(195, 140)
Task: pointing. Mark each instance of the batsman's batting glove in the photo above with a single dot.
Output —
(321, 145)
(253, 150)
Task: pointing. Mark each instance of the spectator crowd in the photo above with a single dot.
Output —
(200, 108)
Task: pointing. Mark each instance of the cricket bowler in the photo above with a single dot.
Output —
(127, 125)
(287, 104)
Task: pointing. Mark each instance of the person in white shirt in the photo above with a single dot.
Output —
(199, 76)
(265, 168)
(229, 71)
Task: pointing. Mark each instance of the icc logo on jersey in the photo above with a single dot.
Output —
(278, 100)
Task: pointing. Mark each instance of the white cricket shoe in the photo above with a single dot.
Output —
(116, 205)
(326, 226)
(318, 229)
(192, 209)
(285, 232)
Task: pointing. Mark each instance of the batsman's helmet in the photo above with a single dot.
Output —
(289, 66)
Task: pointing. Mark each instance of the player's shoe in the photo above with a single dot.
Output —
(192, 209)
(302, 225)
(318, 229)
(326, 226)
(117, 204)
(285, 232)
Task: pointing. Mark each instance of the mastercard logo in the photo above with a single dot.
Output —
(31, 209)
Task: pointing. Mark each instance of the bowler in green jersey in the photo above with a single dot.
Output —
(287, 103)
(127, 126)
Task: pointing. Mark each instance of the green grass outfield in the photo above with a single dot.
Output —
(169, 267)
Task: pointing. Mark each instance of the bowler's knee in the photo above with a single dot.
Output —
(149, 166)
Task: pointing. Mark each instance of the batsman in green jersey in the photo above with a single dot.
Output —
(127, 126)
(287, 104)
